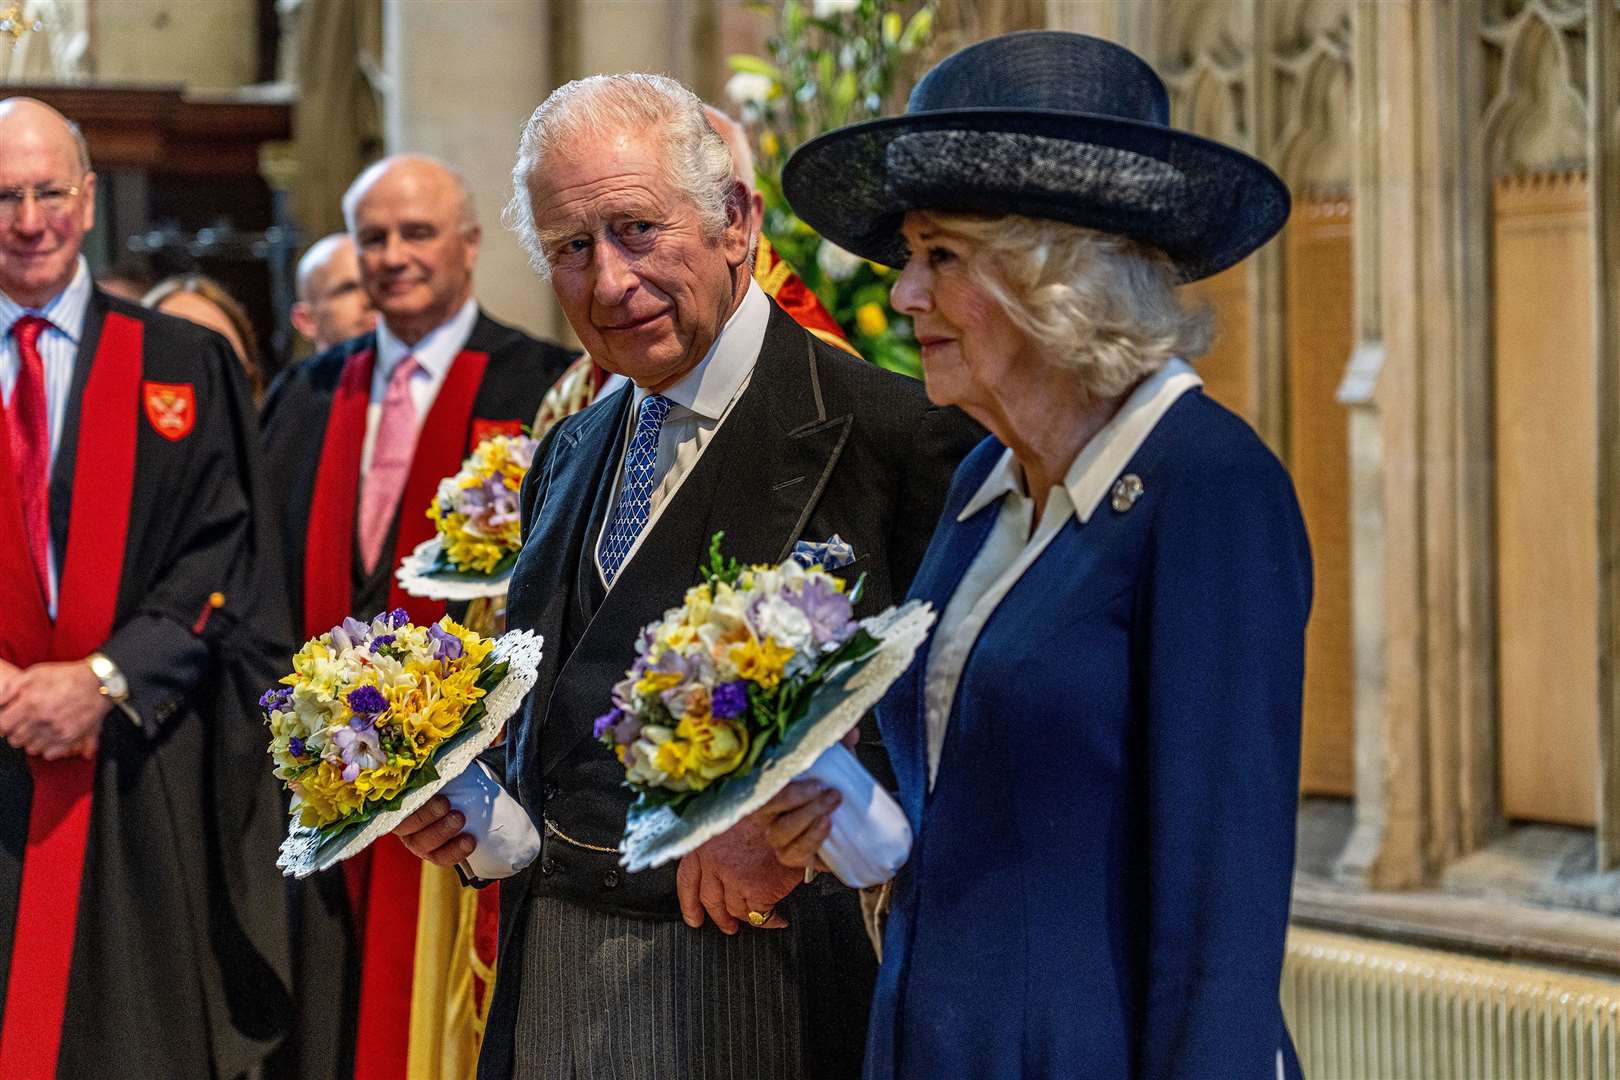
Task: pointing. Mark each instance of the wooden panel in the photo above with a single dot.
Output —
(1546, 514)
(1319, 298)
(1227, 368)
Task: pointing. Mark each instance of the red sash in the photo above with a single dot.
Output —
(59, 817)
(385, 881)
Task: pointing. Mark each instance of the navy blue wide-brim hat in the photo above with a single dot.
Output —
(1046, 124)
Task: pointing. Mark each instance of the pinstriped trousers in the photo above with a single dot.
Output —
(608, 997)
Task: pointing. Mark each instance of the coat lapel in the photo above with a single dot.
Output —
(758, 481)
(546, 582)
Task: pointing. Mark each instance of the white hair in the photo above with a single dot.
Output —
(693, 157)
(1099, 305)
(374, 172)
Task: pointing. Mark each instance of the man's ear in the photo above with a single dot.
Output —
(739, 234)
(302, 319)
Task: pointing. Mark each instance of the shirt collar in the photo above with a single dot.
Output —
(66, 309)
(1100, 461)
(436, 351)
(708, 389)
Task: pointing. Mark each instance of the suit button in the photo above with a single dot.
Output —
(548, 865)
(610, 880)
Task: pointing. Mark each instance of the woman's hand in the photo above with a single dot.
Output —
(799, 819)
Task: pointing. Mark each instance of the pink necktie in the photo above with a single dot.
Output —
(31, 442)
(390, 462)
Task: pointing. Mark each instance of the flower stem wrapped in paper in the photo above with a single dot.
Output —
(750, 683)
(478, 530)
(377, 717)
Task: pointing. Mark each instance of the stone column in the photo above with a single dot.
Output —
(460, 79)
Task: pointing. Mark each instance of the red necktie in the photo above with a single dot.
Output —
(31, 442)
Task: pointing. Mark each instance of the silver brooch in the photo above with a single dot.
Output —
(1127, 489)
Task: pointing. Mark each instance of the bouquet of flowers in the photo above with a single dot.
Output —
(478, 523)
(756, 676)
(377, 717)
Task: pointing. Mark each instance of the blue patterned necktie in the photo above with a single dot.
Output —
(636, 486)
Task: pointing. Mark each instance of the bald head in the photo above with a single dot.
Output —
(332, 305)
(49, 202)
(413, 228)
(742, 161)
(431, 177)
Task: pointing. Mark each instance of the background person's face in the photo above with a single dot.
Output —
(641, 285)
(416, 255)
(338, 304)
(39, 248)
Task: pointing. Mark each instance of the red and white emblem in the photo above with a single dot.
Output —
(488, 429)
(171, 408)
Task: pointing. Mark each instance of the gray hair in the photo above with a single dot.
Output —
(693, 157)
(374, 172)
(1098, 305)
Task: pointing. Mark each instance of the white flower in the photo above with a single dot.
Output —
(835, 262)
(785, 623)
(825, 9)
(749, 88)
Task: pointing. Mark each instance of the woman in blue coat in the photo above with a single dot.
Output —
(1098, 751)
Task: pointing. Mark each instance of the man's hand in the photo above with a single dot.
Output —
(433, 832)
(799, 820)
(53, 710)
(733, 874)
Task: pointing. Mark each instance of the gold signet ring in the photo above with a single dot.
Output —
(756, 919)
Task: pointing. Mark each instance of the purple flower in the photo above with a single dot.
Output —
(358, 750)
(277, 697)
(729, 699)
(295, 746)
(368, 700)
(381, 640)
(826, 608)
(397, 618)
(605, 723)
(446, 646)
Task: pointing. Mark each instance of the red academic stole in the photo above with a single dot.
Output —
(59, 818)
(793, 296)
(385, 881)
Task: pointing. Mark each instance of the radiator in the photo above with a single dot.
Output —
(1361, 1009)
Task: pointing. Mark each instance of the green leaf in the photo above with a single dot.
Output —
(917, 30)
(753, 65)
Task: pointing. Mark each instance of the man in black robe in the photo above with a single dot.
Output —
(358, 438)
(142, 924)
(733, 419)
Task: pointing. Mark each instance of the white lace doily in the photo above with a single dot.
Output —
(414, 578)
(305, 850)
(655, 837)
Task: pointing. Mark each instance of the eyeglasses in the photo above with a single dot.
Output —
(53, 199)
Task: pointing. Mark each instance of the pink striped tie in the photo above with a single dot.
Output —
(390, 462)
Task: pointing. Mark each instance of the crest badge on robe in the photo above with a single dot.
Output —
(171, 408)
(488, 429)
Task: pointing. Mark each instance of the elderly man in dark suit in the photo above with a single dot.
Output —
(733, 419)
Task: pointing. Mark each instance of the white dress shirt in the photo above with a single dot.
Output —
(436, 352)
(58, 349)
(701, 401)
(1010, 549)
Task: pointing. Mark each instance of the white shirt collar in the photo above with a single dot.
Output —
(708, 389)
(1100, 461)
(66, 309)
(436, 351)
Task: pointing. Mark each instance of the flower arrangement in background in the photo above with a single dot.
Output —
(830, 63)
(367, 710)
(476, 510)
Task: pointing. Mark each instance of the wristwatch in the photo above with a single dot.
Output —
(114, 686)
